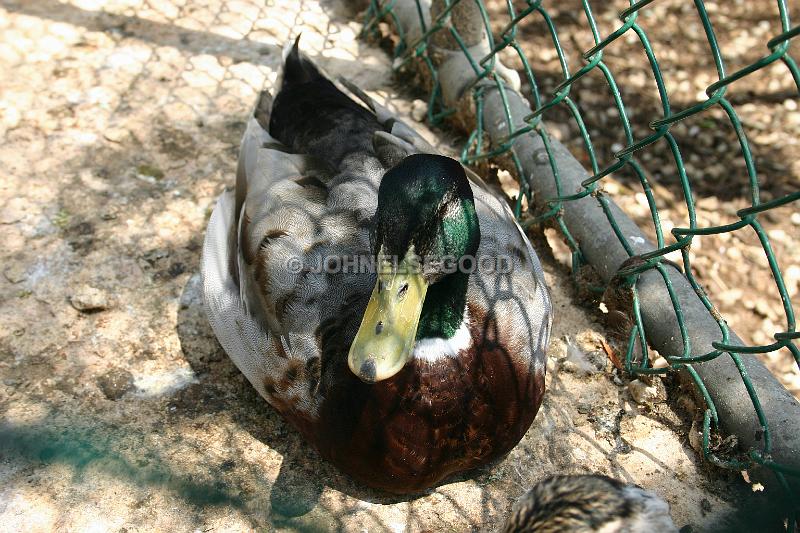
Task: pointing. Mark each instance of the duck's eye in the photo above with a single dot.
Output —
(403, 290)
(378, 327)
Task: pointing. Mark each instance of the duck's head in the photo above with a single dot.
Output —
(425, 230)
(590, 502)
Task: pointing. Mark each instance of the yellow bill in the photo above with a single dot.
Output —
(385, 340)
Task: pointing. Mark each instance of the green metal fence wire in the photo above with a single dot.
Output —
(477, 149)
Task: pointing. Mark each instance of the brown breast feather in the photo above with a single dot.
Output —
(430, 421)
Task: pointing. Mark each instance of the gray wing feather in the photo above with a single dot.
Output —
(239, 334)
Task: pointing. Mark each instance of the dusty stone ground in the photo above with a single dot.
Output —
(120, 412)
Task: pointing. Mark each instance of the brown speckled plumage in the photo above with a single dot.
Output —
(588, 503)
(430, 420)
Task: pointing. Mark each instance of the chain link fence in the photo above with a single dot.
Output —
(504, 113)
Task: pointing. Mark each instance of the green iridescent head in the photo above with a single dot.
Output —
(424, 228)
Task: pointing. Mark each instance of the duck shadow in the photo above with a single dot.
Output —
(303, 474)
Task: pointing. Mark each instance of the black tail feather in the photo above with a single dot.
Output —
(311, 115)
(297, 69)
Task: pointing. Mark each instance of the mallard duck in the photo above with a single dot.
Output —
(588, 503)
(347, 278)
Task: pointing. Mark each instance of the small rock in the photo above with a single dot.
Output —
(641, 392)
(176, 269)
(696, 437)
(15, 273)
(660, 362)
(569, 367)
(731, 296)
(791, 277)
(115, 135)
(88, 299)
(763, 308)
(780, 236)
(149, 171)
(154, 256)
(13, 211)
(115, 383)
(419, 109)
